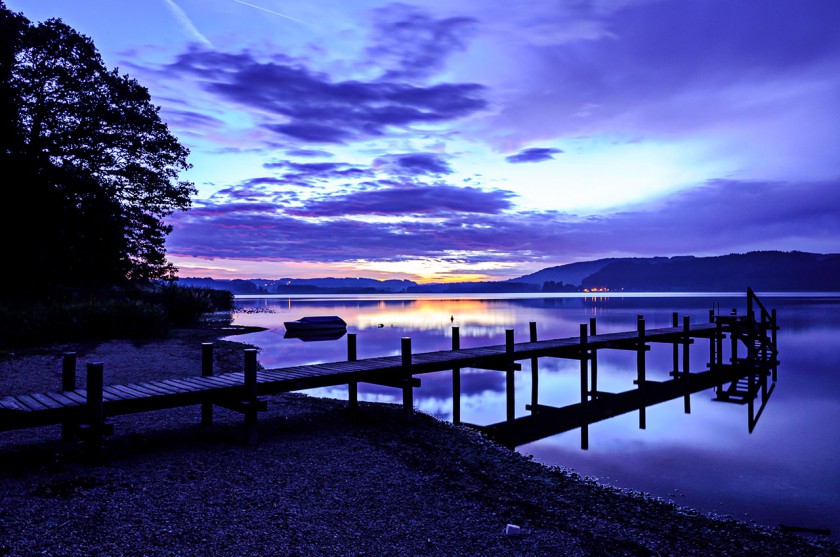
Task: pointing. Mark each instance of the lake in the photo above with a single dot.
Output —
(787, 471)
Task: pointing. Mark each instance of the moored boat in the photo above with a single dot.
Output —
(316, 323)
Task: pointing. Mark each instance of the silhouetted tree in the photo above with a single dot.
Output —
(96, 170)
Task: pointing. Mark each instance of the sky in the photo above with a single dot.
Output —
(484, 140)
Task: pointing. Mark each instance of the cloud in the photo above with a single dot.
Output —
(310, 107)
(412, 44)
(720, 216)
(534, 154)
(414, 199)
(413, 164)
(746, 76)
(308, 153)
(312, 173)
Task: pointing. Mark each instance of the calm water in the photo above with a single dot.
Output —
(786, 471)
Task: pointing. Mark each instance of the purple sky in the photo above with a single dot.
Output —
(476, 139)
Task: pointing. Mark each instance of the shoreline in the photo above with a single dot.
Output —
(322, 480)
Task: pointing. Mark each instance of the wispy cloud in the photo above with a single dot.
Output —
(186, 23)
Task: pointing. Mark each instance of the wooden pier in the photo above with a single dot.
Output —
(741, 378)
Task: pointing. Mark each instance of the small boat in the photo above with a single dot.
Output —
(316, 323)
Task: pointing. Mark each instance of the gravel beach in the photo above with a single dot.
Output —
(321, 481)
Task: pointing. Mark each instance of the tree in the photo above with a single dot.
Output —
(96, 167)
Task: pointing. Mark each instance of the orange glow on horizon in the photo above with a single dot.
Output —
(421, 272)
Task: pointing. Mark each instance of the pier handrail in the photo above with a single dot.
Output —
(766, 316)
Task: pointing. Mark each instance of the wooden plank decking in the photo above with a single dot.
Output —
(36, 409)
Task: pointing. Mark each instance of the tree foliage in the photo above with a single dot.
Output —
(92, 168)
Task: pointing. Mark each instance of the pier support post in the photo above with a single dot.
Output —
(711, 340)
(584, 388)
(686, 374)
(774, 329)
(675, 322)
(593, 362)
(68, 383)
(353, 386)
(250, 397)
(95, 410)
(510, 384)
(751, 387)
(408, 390)
(206, 371)
(535, 368)
(640, 370)
(456, 379)
(733, 341)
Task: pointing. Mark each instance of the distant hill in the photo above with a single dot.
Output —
(764, 270)
(761, 270)
(571, 274)
(327, 285)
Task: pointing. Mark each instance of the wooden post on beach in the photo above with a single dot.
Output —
(206, 371)
(68, 383)
(353, 386)
(584, 388)
(685, 364)
(408, 389)
(510, 383)
(535, 368)
(456, 379)
(95, 408)
(640, 370)
(250, 396)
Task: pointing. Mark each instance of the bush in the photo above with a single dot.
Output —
(77, 316)
(185, 305)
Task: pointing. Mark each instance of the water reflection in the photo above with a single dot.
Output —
(786, 471)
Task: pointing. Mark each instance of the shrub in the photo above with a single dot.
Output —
(76, 316)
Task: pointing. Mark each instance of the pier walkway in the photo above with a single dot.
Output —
(86, 410)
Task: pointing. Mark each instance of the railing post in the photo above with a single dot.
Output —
(584, 389)
(250, 397)
(535, 368)
(408, 392)
(206, 371)
(353, 386)
(68, 383)
(456, 379)
(750, 308)
(733, 340)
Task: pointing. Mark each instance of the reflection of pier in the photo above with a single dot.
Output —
(740, 378)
